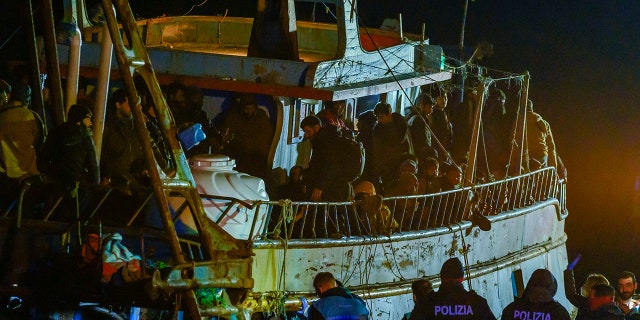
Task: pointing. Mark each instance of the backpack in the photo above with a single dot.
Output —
(351, 158)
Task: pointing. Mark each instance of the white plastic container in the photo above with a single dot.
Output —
(214, 175)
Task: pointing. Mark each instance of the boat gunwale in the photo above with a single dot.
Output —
(400, 236)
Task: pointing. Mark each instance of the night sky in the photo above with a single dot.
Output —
(584, 59)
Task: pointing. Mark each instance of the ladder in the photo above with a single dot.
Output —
(230, 259)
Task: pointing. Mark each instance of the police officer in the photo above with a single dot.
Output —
(336, 302)
(452, 300)
(537, 300)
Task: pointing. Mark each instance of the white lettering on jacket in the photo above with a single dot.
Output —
(454, 310)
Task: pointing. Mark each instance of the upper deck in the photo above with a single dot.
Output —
(335, 61)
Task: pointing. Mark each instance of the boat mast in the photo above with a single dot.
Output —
(464, 22)
(53, 66)
(519, 140)
(469, 175)
(35, 81)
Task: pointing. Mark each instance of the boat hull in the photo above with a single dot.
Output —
(381, 268)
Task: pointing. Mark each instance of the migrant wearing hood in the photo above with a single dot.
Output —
(542, 287)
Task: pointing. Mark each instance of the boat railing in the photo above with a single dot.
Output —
(323, 220)
(313, 220)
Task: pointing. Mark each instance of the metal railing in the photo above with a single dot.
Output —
(312, 220)
(317, 220)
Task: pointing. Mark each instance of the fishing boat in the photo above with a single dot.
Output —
(502, 228)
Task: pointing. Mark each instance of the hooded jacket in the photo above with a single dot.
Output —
(537, 300)
(453, 301)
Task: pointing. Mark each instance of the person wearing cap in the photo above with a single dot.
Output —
(21, 134)
(452, 300)
(69, 154)
(537, 300)
(68, 159)
(336, 302)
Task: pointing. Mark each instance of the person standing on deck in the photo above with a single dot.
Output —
(247, 134)
(20, 134)
(391, 141)
(325, 181)
(541, 147)
(333, 114)
(121, 146)
(69, 159)
(419, 127)
(452, 300)
(441, 126)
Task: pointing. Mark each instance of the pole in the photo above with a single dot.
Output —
(53, 66)
(475, 136)
(464, 22)
(37, 103)
(516, 162)
(102, 89)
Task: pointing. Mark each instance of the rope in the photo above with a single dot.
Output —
(465, 253)
(277, 303)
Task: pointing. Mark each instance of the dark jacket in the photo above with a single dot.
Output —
(420, 308)
(338, 303)
(69, 156)
(421, 136)
(443, 130)
(390, 142)
(606, 312)
(576, 299)
(121, 148)
(323, 173)
(452, 301)
(537, 300)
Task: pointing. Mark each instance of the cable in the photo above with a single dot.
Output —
(194, 6)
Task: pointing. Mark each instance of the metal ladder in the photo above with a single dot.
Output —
(230, 259)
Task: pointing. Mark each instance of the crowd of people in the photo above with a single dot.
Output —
(416, 153)
(597, 300)
(59, 161)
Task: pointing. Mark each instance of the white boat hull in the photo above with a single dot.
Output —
(381, 268)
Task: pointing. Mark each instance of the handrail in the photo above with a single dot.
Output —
(417, 212)
(317, 220)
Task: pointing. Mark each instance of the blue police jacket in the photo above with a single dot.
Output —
(340, 304)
